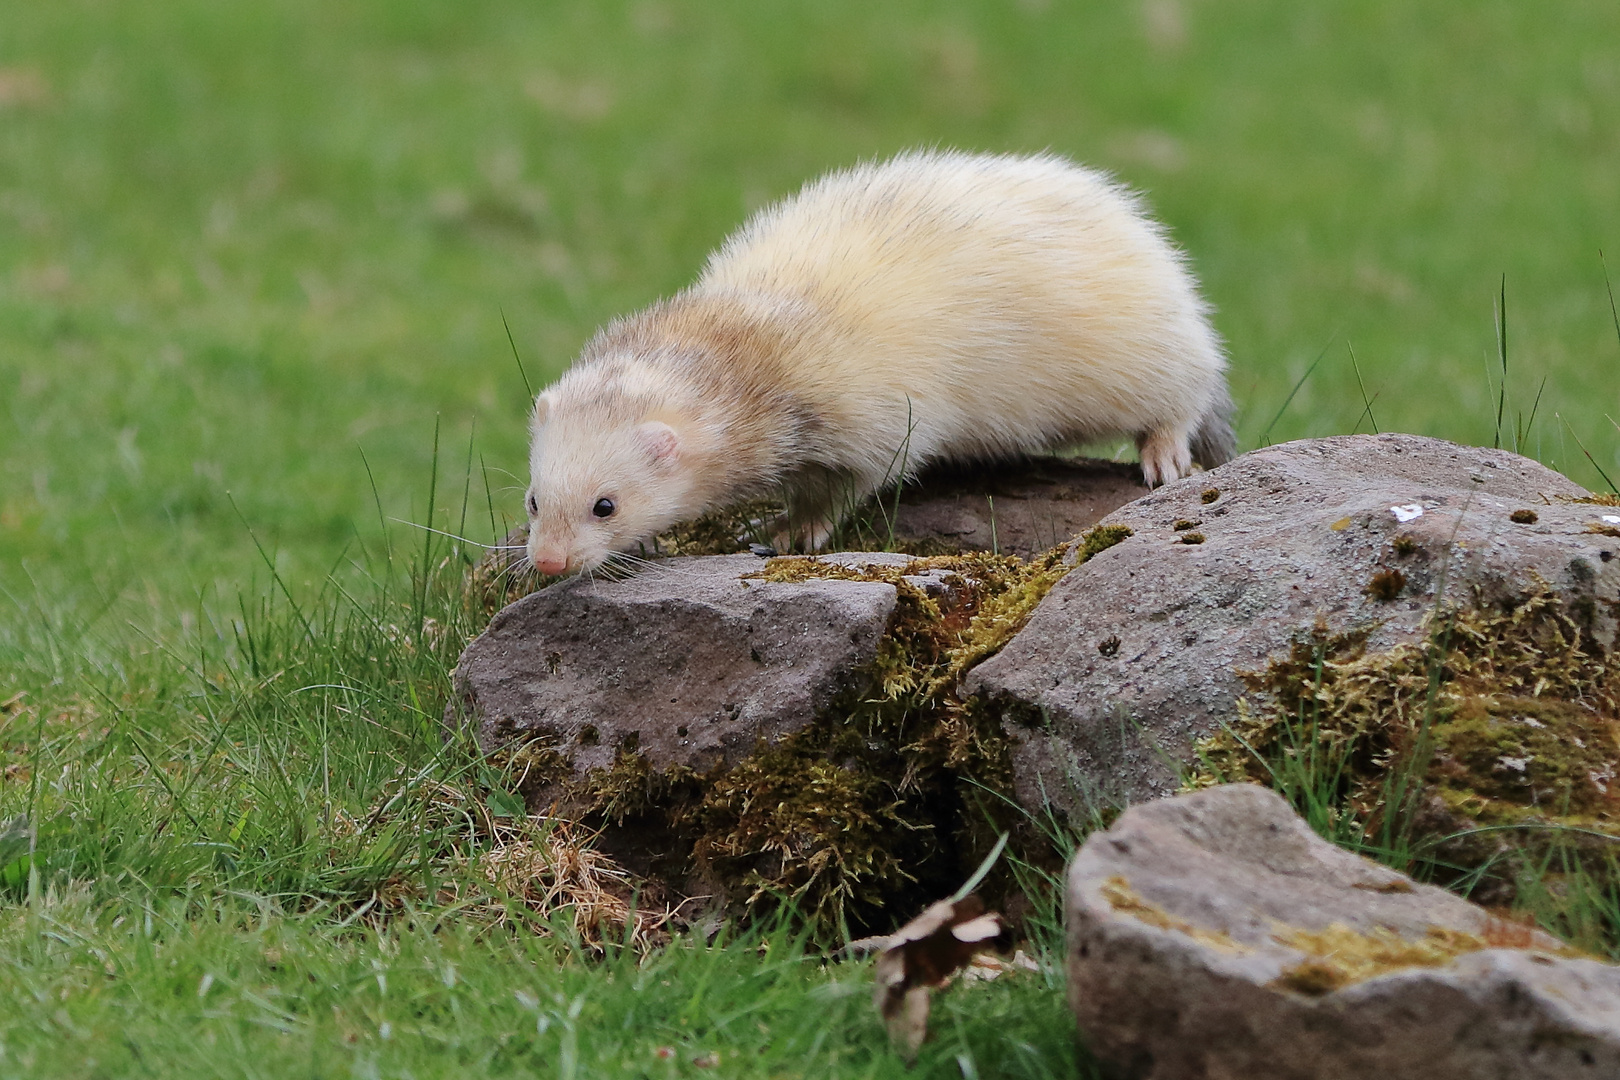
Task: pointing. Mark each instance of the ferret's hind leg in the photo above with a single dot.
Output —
(1166, 455)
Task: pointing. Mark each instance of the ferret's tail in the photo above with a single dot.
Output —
(1214, 443)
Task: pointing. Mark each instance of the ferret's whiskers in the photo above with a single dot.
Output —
(627, 564)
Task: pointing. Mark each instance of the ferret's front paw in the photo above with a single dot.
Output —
(1164, 458)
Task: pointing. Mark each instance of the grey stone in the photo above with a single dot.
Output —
(1134, 655)
(1178, 969)
(690, 663)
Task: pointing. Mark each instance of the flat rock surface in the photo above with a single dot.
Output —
(1134, 655)
(690, 662)
(1189, 924)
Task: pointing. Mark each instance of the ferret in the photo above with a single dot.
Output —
(939, 306)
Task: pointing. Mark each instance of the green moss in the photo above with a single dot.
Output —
(1487, 751)
(1101, 539)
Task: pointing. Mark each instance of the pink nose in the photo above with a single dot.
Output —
(548, 563)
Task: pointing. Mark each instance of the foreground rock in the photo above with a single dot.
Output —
(1214, 935)
(691, 664)
(1135, 655)
(740, 729)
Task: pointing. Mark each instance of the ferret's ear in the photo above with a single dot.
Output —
(542, 407)
(660, 441)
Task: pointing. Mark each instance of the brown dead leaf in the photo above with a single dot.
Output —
(923, 955)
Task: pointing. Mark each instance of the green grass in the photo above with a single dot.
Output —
(254, 266)
(234, 989)
(200, 899)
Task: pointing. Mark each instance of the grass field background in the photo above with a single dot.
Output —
(253, 257)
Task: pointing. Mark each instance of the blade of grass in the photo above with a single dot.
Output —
(984, 869)
(270, 563)
(1588, 453)
(427, 535)
(1265, 436)
(1368, 402)
(1502, 355)
(1365, 412)
(466, 487)
(1614, 312)
(489, 500)
(376, 498)
(510, 340)
(1523, 436)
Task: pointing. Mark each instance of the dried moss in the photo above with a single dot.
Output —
(1482, 749)
(790, 821)
(1385, 585)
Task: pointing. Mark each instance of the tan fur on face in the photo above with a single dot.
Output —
(939, 306)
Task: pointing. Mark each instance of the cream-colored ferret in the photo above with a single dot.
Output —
(939, 306)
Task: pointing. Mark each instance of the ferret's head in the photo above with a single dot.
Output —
(608, 468)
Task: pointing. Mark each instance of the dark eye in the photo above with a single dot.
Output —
(603, 508)
(533, 505)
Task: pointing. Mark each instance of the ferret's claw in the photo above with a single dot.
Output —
(1165, 458)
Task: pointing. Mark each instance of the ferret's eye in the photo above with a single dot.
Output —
(603, 508)
(533, 504)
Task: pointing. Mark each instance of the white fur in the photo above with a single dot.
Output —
(939, 306)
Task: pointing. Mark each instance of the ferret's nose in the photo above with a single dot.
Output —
(548, 563)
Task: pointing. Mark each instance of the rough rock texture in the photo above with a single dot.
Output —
(690, 663)
(1132, 656)
(1177, 918)
(1019, 508)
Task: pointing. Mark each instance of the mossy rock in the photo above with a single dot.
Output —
(1487, 752)
(881, 802)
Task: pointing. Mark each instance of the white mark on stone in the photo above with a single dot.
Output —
(1408, 512)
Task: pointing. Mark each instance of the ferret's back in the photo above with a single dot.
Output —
(959, 271)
